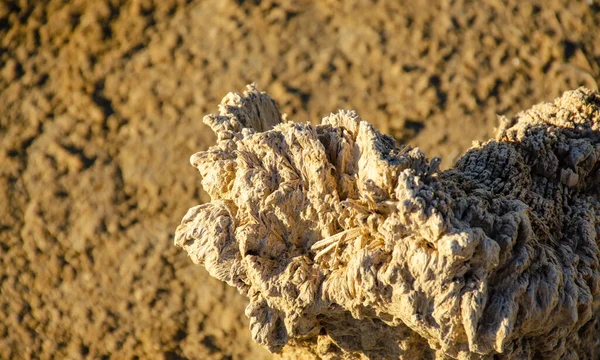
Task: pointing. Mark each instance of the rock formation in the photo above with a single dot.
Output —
(349, 246)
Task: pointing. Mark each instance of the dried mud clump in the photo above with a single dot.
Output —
(349, 246)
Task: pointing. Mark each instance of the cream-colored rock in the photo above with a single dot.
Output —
(348, 246)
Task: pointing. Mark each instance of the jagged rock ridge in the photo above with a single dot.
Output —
(350, 246)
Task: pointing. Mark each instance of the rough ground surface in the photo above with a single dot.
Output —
(349, 246)
(101, 103)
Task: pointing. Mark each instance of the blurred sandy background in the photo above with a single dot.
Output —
(101, 105)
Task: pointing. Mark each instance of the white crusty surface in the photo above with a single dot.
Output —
(348, 246)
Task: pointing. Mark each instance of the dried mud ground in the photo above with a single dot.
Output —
(101, 105)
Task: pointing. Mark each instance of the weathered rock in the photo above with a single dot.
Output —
(349, 246)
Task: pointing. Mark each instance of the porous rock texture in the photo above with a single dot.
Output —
(350, 246)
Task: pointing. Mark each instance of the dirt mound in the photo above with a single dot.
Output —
(100, 102)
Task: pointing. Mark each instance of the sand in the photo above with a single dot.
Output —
(102, 103)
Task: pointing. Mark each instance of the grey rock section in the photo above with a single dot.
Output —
(349, 246)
